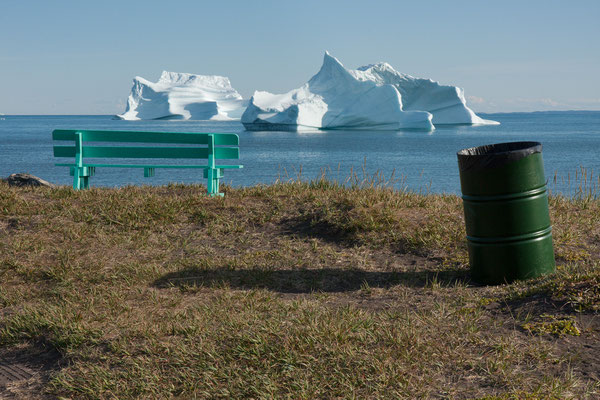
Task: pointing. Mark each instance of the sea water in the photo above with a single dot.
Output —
(414, 160)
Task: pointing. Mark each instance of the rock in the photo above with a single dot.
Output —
(21, 180)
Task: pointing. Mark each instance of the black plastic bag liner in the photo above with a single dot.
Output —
(495, 155)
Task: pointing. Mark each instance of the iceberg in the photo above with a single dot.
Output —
(183, 96)
(373, 97)
(446, 103)
(333, 99)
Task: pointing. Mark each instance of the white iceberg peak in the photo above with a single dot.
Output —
(334, 98)
(179, 95)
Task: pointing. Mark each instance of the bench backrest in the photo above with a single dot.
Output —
(81, 147)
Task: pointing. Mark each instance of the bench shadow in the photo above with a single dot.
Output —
(309, 280)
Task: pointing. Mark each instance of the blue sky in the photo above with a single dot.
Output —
(79, 57)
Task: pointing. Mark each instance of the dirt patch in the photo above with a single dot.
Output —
(581, 352)
(25, 370)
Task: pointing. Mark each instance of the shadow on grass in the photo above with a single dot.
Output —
(26, 368)
(315, 225)
(308, 280)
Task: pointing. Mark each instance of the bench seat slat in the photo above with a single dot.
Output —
(149, 166)
(225, 139)
(147, 152)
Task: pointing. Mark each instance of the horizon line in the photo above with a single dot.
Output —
(108, 115)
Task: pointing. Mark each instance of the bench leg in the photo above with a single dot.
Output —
(77, 180)
(148, 172)
(81, 177)
(212, 185)
(81, 182)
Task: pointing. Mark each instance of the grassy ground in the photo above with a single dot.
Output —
(297, 290)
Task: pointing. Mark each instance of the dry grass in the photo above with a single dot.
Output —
(294, 290)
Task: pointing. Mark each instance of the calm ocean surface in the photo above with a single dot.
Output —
(421, 161)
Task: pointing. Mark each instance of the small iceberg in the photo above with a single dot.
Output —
(183, 96)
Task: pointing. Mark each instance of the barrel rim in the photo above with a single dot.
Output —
(499, 148)
(495, 155)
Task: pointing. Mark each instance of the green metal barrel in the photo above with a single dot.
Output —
(505, 200)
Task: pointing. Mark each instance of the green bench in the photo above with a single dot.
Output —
(88, 144)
